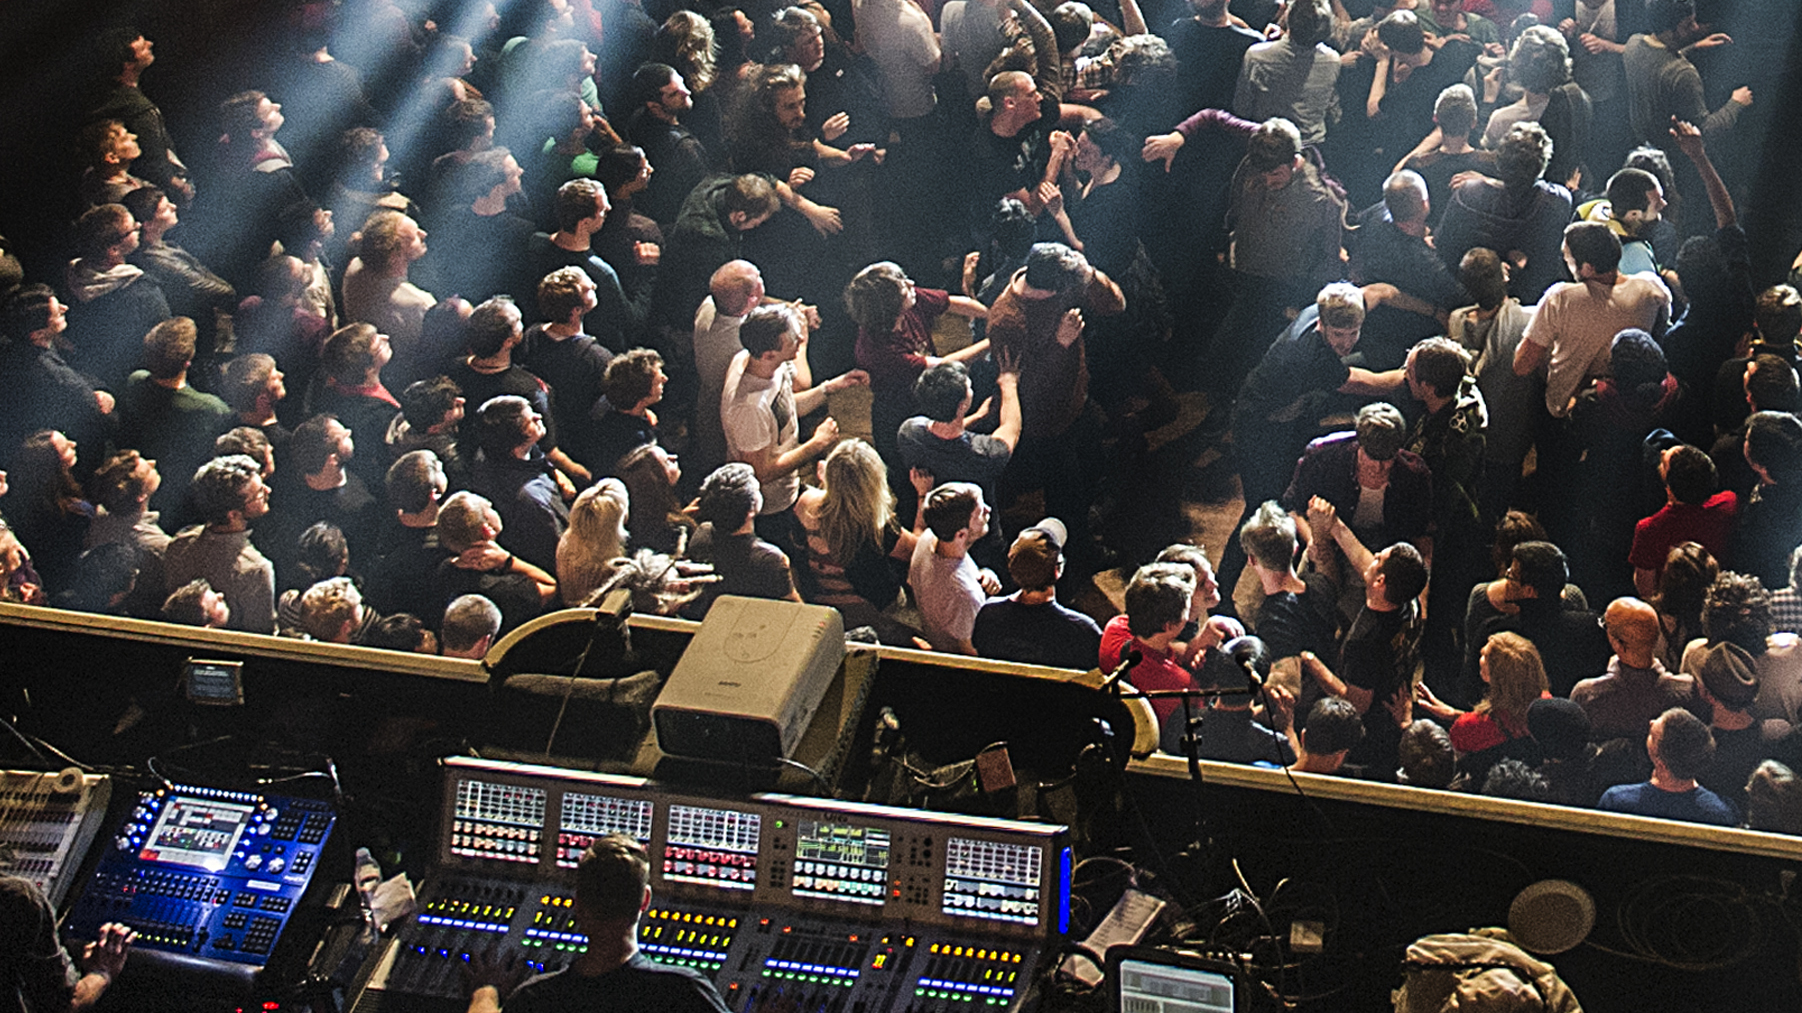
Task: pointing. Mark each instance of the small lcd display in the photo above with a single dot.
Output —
(218, 683)
(1146, 987)
(992, 881)
(196, 831)
(586, 817)
(841, 862)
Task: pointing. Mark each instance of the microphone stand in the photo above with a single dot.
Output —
(1191, 744)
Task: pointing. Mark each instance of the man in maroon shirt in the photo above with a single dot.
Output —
(1038, 321)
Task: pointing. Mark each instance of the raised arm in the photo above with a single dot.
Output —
(1132, 20)
(1689, 140)
(1048, 68)
(1008, 431)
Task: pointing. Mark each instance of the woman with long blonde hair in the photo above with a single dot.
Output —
(595, 538)
(857, 552)
(1513, 677)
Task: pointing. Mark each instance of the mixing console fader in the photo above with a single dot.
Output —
(785, 903)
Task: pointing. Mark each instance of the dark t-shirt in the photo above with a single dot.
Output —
(747, 566)
(576, 369)
(612, 434)
(294, 507)
(1208, 60)
(971, 457)
(1047, 634)
(615, 321)
(1376, 657)
(1407, 110)
(1291, 623)
(513, 593)
(639, 986)
(1233, 736)
(404, 577)
(999, 166)
(1698, 805)
(478, 388)
(1298, 365)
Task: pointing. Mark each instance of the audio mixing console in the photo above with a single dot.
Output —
(833, 907)
(47, 822)
(210, 879)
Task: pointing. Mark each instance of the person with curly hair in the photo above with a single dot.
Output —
(1737, 610)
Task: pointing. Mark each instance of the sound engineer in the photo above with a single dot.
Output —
(36, 974)
(613, 889)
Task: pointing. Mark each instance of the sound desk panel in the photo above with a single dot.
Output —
(825, 906)
(210, 879)
(47, 823)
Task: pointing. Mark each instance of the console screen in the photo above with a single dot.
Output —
(992, 881)
(497, 822)
(196, 831)
(586, 817)
(712, 847)
(841, 862)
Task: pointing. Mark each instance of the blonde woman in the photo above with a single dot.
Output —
(857, 552)
(1513, 677)
(595, 538)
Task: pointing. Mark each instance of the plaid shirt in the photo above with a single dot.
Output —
(1786, 609)
(1085, 73)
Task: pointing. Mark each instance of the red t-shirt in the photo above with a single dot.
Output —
(1155, 670)
(1710, 524)
(896, 359)
(1473, 732)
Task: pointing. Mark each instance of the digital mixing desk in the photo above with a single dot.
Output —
(210, 879)
(831, 906)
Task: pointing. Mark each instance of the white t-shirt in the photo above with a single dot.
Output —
(948, 591)
(1577, 322)
(758, 413)
(899, 37)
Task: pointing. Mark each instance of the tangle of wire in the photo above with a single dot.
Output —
(1664, 919)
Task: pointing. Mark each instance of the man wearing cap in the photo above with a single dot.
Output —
(1029, 625)
(1727, 680)
(947, 584)
(1622, 701)
(1681, 748)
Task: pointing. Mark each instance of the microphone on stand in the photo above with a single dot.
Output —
(1253, 656)
(1127, 661)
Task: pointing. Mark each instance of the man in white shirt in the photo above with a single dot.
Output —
(737, 287)
(948, 586)
(768, 387)
(1573, 329)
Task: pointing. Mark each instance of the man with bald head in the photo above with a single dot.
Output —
(735, 289)
(1622, 702)
(1391, 246)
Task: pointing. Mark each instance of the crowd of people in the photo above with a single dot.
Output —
(505, 311)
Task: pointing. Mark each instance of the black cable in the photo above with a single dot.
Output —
(818, 779)
(35, 751)
(594, 633)
(1264, 695)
